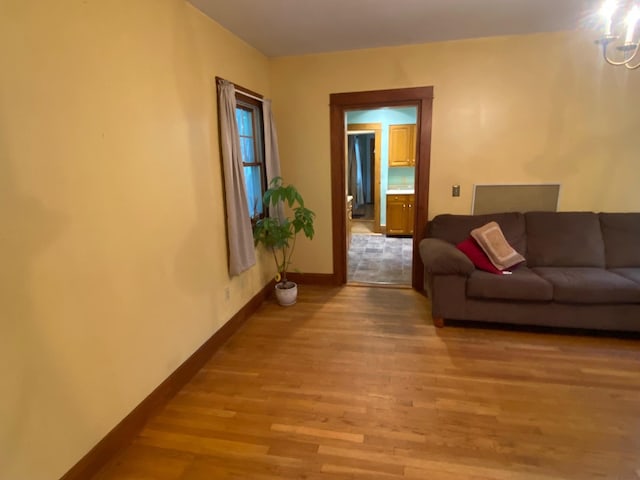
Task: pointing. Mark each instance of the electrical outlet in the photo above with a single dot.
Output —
(227, 294)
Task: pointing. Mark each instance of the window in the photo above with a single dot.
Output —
(250, 130)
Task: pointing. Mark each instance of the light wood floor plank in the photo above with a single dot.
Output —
(356, 383)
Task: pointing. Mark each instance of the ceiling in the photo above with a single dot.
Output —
(296, 27)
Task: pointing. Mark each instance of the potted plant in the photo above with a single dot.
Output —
(278, 233)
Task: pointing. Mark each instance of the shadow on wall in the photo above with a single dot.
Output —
(199, 268)
(28, 228)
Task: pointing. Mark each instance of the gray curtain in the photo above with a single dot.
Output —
(239, 234)
(364, 142)
(271, 153)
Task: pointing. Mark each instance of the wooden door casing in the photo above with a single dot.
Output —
(339, 104)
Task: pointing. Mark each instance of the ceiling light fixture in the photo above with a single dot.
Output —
(615, 18)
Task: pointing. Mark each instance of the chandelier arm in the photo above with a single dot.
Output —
(605, 45)
(613, 20)
(633, 56)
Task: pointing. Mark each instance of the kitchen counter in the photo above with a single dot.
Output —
(398, 191)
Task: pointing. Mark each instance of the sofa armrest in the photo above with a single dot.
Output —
(441, 257)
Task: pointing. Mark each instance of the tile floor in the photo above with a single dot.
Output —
(379, 259)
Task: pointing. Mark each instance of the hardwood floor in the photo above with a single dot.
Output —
(356, 383)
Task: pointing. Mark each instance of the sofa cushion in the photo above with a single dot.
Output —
(589, 285)
(621, 234)
(456, 228)
(631, 273)
(492, 241)
(522, 284)
(473, 251)
(564, 239)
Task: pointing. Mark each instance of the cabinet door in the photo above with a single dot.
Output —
(411, 145)
(408, 214)
(395, 214)
(400, 210)
(402, 145)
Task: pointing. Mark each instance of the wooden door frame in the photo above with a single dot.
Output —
(376, 128)
(339, 104)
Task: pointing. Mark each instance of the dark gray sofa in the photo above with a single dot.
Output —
(582, 270)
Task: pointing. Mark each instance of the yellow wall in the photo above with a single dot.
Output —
(525, 109)
(112, 244)
(112, 247)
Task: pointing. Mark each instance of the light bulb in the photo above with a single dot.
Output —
(631, 20)
(607, 10)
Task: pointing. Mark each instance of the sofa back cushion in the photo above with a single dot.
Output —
(621, 233)
(564, 239)
(456, 228)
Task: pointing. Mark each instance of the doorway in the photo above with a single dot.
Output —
(360, 173)
(366, 208)
(340, 104)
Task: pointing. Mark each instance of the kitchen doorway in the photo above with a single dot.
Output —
(340, 104)
(378, 254)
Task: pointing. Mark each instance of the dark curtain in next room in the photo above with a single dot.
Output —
(360, 168)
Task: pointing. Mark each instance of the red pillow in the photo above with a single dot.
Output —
(472, 250)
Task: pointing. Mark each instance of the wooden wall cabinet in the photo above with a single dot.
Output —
(402, 145)
(400, 214)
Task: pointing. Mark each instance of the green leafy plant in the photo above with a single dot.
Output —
(279, 234)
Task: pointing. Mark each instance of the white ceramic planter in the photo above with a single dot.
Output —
(286, 296)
